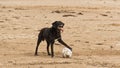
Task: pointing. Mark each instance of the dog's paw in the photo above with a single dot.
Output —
(71, 49)
(52, 55)
(49, 54)
(35, 54)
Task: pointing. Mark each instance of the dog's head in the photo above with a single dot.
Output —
(58, 25)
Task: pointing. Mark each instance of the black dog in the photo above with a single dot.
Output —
(50, 35)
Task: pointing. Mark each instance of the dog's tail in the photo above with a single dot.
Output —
(40, 36)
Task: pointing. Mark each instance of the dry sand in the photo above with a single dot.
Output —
(92, 29)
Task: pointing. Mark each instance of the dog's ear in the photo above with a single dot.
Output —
(54, 24)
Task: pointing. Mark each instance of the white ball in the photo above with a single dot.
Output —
(67, 53)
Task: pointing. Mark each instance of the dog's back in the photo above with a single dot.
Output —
(44, 33)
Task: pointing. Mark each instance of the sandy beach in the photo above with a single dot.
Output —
(92, 29)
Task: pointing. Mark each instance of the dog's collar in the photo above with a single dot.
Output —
(59, 38)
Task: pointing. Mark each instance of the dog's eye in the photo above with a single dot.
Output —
(60, 26)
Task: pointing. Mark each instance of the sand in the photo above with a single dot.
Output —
(92, 29)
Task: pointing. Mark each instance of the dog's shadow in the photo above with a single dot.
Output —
(40, 54)
(32, 54)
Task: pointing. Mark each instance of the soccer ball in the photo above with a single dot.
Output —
(67, 53)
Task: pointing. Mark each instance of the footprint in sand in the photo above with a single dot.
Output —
(108, 12)
(20, 9)
(16, 17)
(1, 21)
(99, 43)
(114, 24)
(77, 40)
(87, 42)
(79, 13)
(69, 15)
(63, 11)
(104, 14)
(7, 19)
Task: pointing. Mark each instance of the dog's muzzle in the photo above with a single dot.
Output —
(60, 28)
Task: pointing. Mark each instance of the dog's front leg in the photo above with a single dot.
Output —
(63, 43)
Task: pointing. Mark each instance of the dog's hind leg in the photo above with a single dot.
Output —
(38, 42)
(48, 44)
(52, 49)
